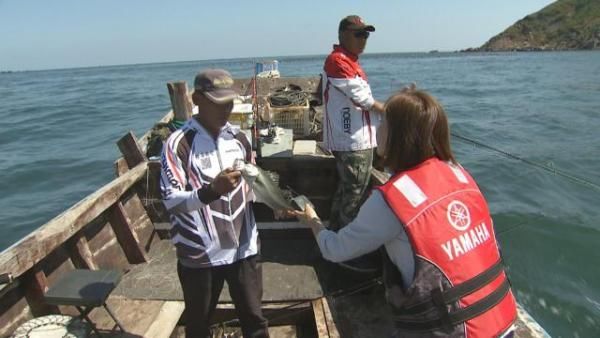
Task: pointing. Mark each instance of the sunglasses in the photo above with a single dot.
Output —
(361, 35)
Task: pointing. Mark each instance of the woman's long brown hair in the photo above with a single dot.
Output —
(417, 130)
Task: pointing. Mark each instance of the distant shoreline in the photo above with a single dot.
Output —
(288, 57)
(528, 49)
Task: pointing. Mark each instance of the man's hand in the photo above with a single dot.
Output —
(378, 107)
(283, 214)
(226, 181)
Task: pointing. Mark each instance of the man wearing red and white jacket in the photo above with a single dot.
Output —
(349, 122)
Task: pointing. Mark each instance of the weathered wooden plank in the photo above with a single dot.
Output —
(34, 247)
(136, 316)
(100, 235)
(144, 230)
(111, 256)
(82, 255)
(14, 310)
(131, 150)
(134, 207)
(320, 321)
(120, 163)
(281, 225)
(152, 198)
(323, 319)
(331, 327)
(36, 286)
(284, 331)
(103, 243)
(275, 331)
(141, 223)
(121, 167)
(56, 264)
(140, 318)
(126, 235)
(527, 327)
(132, 203)
(278, 313)
(180, 101)
(166, 320)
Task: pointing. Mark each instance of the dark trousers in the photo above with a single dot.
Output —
(201, 290)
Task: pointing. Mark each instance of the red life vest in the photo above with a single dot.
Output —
(460, 287)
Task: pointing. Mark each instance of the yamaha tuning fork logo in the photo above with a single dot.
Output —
(458, 215)
(459, 218)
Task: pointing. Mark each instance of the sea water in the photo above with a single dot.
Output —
(59, 128)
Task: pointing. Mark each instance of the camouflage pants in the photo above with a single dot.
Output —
(354, 172)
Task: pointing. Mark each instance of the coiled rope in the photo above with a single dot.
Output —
(290, 95)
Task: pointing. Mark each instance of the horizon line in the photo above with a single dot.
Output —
(434, 51)
(204, 60)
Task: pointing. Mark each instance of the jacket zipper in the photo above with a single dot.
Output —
(237, 253)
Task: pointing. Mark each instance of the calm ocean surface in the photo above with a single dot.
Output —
(59, 128)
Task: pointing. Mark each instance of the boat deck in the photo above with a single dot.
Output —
(294, 272)
(289, 269)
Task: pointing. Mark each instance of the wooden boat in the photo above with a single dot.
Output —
(123, 226)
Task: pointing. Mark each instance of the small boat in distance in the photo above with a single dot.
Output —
(267, 69)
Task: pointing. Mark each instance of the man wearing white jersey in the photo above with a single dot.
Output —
(349, 122)
(214, 230)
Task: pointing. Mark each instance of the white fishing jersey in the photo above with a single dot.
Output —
(224, 230)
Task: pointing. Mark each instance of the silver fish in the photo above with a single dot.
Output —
(265, 189)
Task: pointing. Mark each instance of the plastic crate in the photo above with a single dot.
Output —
(241, 115)
(291, 117)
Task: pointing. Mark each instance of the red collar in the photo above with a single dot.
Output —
(340, 49)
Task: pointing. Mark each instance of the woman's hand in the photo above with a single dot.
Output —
(309, 217)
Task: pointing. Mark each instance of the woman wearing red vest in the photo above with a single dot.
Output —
(442, 268)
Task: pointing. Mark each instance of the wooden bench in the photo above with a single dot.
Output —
(90, 292)
(140, 318)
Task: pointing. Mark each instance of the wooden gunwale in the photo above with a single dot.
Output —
(34, 247)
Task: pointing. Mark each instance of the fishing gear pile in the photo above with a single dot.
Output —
(290, 95)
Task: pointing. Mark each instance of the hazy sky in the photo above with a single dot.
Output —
(74, 33)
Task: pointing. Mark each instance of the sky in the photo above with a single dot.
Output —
(78, 33)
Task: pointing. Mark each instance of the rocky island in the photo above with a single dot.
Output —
(562, 25)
